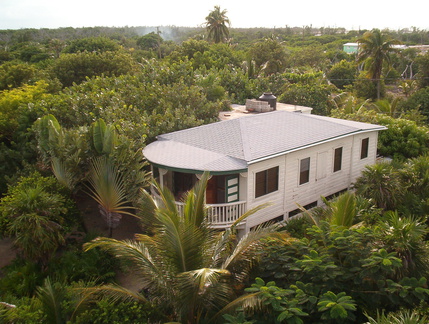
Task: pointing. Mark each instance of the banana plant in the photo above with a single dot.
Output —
(104, 138)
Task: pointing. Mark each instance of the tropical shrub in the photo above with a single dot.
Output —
(403, 138)
(37, 215)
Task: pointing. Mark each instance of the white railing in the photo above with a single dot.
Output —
(220, 215)
(223, 215)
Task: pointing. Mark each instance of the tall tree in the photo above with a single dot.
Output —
(216, 25)
(188, 268)
(374, 49)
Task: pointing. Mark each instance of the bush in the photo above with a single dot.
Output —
(118, 313)
(74, 265)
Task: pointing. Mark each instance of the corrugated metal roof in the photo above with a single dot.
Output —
(233, 144)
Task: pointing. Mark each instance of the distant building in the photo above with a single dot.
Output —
(351, 48)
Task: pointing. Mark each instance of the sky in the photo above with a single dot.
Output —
(361, 14)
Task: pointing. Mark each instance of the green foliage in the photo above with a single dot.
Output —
(92, 44)
(36, 215)
(423, 68)
(107, 188)
(365, 88)
(15, 112)
(15, 74)
(366, 263)
(342, 74)
(77, 67)
(312, 56)
(314, 96)
(269, 56)
(381, 182)
(74, 265)
(21, 279)
(104, 311)
(104, 138)
(419, 100)
(399, 317)
(403, 138)
(336, 306)
(149, 41)
(187, 268)
(374, 49)
(216, 25)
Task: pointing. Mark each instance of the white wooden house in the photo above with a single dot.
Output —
(280, 157)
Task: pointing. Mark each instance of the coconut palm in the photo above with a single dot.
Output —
(349, 104)
(374, 49)
(188, 269)
(216, 25)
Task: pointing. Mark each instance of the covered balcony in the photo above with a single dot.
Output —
(222, 194)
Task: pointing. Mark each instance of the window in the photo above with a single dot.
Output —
(338, 158)
(304, 171)
(266, 181)
(364, 148)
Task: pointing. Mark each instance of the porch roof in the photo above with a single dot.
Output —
(233, 145)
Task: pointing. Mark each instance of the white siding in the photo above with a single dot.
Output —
(323, 181)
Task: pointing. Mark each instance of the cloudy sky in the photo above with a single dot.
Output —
(364, 14)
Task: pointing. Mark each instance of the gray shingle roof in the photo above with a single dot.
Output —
(232, 145)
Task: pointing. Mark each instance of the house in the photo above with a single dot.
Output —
(285, 158)
(351, 48)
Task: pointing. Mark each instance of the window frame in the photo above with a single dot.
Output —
(338, 159)
(364, 148)
(304, 174)
(265, 179)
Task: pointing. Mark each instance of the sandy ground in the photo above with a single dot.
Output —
(94, 224)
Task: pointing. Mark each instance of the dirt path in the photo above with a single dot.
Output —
(7, 254)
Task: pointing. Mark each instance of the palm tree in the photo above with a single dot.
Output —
(374, 49)
(381, 182)
(216, 25)
(34, 217)
(108, 190)
(406, 237)
(187, 268)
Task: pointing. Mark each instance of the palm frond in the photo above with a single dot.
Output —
(151, 269)
(63, 174)
(107, 187)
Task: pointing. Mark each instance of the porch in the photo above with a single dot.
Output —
(223, 202)
(219, 215)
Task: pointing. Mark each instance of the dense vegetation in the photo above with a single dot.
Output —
(78, 105)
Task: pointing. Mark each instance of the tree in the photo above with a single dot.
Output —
(374, 49)
(108, 190)
(33, 212)
(381, 183)
(216, 25)
(269, 56)
(423, 70)
(342, 74)
(189, 269)
(15, 74)
(77, 67)
(92, 44)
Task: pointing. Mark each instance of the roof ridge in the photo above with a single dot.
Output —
(244, 139)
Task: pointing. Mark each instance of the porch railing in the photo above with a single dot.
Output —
(220, 215)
